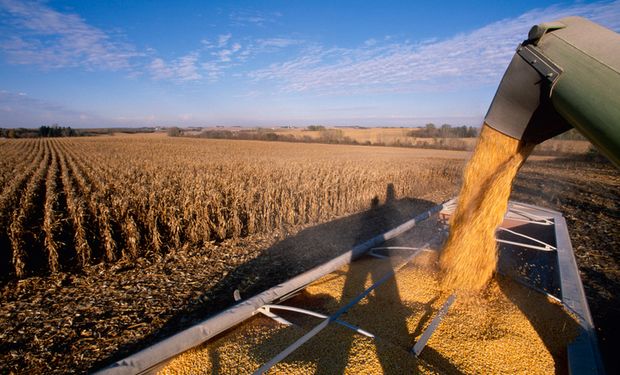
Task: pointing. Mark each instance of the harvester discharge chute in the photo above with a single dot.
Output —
(566, 74)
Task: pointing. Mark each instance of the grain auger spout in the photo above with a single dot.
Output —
(566, 74)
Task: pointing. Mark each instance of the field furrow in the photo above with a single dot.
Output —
(51, 220)
(25, 231)
(77, 215)
(92, 185)
(9, 205)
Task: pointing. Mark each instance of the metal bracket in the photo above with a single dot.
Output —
(545, 67)
(545, 246)
(426, 335)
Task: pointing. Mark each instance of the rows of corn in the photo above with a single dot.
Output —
(69, 202)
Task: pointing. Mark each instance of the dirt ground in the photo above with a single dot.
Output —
(587, 192)
(76, 323)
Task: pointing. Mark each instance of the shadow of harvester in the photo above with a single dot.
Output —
(284, 260)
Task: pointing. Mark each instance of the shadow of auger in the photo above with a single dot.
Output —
(307, 249)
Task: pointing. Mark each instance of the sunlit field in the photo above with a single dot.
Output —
(67, 203)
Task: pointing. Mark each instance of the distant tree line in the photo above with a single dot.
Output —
(444, 131)
(43, 131)
(335, 136)
(56, 131)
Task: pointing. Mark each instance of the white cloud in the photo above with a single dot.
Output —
(183, 69)
(222, 40)
(225, 55)
(42, 36)
(277, 42)
(187, 69)
(478, 57)
(159, 69)
(195, 66)
(213, 71)
(253, 18)
(207, 43)
(35, 34)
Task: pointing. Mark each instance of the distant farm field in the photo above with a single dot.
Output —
(393, 137)
(67, 203)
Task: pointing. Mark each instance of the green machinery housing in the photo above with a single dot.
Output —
(566, 74)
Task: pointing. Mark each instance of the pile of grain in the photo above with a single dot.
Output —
(469, 257)
(506, 329)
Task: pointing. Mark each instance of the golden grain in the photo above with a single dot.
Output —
(505, 330)
(469, 257)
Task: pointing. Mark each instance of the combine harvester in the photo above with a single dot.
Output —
(379, 307)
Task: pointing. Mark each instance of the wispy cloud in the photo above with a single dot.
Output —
(42, 36)
(33, 33)
(222, 40)
(226, 54)
(215, 56)
(206, 63)
(253, 17)
(478, 57)
(183, 69)
(276, 43)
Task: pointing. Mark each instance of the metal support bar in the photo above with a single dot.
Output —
(521, 244)
(546, 245)
(517, 209)
(322, 316)
(305, 338)
(421, 343)
(297, 310)
(267, 312)
(530, 217)
(355, 328)
(373, 254)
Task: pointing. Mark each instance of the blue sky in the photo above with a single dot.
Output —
(268, 63)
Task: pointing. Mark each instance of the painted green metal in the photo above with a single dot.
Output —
(587, 94)
(567, 73)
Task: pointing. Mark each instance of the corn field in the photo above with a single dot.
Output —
(66, 203)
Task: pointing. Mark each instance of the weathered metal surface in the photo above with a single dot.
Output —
(426, 335)
(566, 74)
(587, 94)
